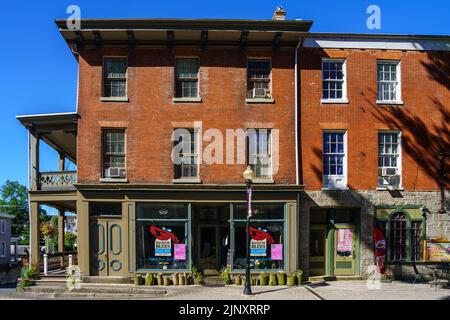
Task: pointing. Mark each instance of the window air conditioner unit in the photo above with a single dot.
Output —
(386, 172)
(114, 172)
(389, 178)
(336, 182)
(259, 93)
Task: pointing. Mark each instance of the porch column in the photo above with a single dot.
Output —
(33, 170)
(83, 246)
(34, 234)
(61, 217)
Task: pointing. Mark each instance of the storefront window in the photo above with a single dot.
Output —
(162, 236)
(267, 237)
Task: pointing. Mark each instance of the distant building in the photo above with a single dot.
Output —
(5, 238)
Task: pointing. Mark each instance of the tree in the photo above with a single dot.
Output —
(14, 201)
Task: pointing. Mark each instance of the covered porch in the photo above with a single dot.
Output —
(53, 188)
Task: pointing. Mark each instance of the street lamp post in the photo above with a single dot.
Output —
(248, 177)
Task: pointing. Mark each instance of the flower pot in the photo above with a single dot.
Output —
(159, 279)
(291, 280)
(137, 280)
(272, 279)
(166, 281)
(263, 279)
(237, 280)
(299, 275)
(175, 279)
(181, 280)
(281, 277)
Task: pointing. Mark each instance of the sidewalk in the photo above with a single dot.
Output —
(334, 290)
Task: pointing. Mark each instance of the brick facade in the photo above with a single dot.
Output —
(150, 115)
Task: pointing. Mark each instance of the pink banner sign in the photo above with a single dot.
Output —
(276, 252)
(179, 251)
(344, 241)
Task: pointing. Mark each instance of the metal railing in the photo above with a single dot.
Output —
(57, 180)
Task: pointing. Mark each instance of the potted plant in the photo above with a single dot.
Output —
(175, 279)
(197, 275)
(272, 279)
(47, 230)
(291, 280)
(225, 275)
(299, 274)
(137, 280)
(281, 277)
(182, 279)
(263, 279)
(148, 279)
(237, 279)
(159, 279)
(29, 276)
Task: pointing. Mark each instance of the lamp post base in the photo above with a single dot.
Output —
(247, 290)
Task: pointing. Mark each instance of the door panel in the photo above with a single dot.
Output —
(317, 249)
(208, 247)
(344, 250)
(106, 257)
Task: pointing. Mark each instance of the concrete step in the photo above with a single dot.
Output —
(98, 289)
(213, 281)
(107, 280)
(210, 272)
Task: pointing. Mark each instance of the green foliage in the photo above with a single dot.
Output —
(14, 201)
(69, 241)
(197, 275)
(263, 279)
(29, 275)
(225, 275)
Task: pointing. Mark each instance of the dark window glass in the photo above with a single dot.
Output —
(105, 209)
(399, 237)
(416, 241)
(115, 77)
(161, 211)
(186, 77)
(260, 211)
(258, 77)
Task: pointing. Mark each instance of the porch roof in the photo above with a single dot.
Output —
(58, 130)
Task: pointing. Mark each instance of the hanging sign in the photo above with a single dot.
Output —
(380, 249)
(344, 241)
(163, 248)
(438, 251)
(258, 248)
(276, 252)
(179, 251)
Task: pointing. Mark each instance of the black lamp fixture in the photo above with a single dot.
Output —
(248, 178)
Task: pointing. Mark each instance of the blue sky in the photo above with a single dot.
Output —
(39, 73)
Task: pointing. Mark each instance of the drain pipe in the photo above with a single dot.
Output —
(296, 89)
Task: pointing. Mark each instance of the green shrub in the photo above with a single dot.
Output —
(225, 275)
(29, 275)
(197, 275)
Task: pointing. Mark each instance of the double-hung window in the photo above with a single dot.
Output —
(334, 160)
(259, 152)
(389, 81)
(114, 153)
(389, 163)
(2, 226)
(186, 77)
(115, 77)
(2, 249)
(334, 86)
(258, 79)
(185, 157)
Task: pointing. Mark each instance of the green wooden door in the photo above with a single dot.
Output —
(344, 248)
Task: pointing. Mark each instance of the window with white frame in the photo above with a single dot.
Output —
(259, 152)
(186, 77)
(186, 166)
(2, 226)
(389, 155)
(115, 77)
(114, 153)
(334, 160)
(2, 249)
(334, 86)
(389, 81)
(258, 78)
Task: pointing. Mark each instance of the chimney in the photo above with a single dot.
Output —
(279, 14)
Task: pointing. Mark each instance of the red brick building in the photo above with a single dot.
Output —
(343, 133)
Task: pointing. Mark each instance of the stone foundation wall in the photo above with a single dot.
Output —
(438, 225)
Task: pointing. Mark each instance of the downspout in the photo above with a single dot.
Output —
(297, 169)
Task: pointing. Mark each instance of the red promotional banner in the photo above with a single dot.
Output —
(380, 249)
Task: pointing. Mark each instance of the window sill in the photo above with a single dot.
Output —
(112, 180)
(262, 181)
(398, 103)
(334, 101)
(114, 99)
(335, 189)
(187, 180)
(260, 100)
(387, 189)
(184, 100)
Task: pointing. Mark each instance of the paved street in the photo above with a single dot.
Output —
(339, 290)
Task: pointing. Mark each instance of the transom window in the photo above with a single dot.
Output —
(333, 80)
(389, 81)
(114, 153)
(186, 74)
(259, 152)
(115, 77)
(389, 158)
(258, 78)
(186, 162)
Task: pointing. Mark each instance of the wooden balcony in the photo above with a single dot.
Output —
(57, 180)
